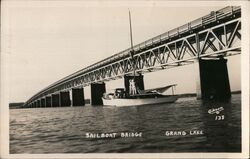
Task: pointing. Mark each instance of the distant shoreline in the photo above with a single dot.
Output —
(87, 101)
(194, 94)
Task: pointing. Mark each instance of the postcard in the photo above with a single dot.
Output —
(125, 79)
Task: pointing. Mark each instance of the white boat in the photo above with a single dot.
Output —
(146, 97)
(119, 102)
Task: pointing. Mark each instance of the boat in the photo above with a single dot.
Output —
(134, 96)
(143, 97)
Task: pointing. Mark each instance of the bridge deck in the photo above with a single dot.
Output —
(214, 18)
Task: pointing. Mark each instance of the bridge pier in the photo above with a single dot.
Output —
(78, 97)
(55, 100)
(65, 99)
(37, 103)
(43, 102)
(213, 82)
(138, 81)
(48, 101)
(97, 90)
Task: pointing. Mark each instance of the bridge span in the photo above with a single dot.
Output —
(206, 41)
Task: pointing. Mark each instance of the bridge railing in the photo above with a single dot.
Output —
(212, 17)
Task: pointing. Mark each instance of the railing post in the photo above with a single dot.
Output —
(215, 16)
(197, 44)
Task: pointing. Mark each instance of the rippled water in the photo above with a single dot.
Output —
(62, 130)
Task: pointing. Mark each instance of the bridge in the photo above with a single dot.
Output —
(206, 41)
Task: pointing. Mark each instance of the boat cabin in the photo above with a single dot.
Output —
(120, 93)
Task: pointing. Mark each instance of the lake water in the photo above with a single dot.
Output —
(63, 130)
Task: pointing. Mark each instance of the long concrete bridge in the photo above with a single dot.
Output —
(206, 41)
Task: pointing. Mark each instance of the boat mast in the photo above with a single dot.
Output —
(132, 47)
(131, 35)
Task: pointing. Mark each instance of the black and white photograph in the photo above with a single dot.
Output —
(115, 79)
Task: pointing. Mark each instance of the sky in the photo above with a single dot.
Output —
(45, 41)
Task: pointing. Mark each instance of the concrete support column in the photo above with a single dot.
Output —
(78, 97)
(55, 100)
(213, 80)
(139, 82)
(48, 101)
(40, 103)
(43, 102)
(65, 99)
(97, 91)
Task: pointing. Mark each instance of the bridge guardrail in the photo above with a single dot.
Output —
(212, 17)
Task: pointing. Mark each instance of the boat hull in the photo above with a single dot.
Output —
(120, 102)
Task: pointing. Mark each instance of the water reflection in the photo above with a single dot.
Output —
(224, 125)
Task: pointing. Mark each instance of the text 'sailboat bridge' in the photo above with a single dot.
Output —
(206, 40)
